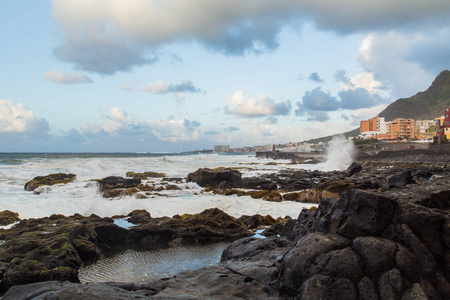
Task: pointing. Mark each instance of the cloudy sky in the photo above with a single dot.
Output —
(155, 76)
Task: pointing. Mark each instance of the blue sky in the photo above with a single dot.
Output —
(155, 76)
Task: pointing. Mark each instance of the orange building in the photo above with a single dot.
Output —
(369, 125)
(401, 129)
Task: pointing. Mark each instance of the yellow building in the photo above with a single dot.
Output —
(422, 129)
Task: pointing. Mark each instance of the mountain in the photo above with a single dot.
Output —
(426, 105)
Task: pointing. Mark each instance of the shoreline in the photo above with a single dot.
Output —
(413, 200)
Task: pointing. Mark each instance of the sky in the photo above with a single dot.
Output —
(166, 75)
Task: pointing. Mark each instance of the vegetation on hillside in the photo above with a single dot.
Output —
(351, 133)
(426, 105)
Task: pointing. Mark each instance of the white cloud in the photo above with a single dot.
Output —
(366, 113)
(121, 126)
(19, 118)
(179, 90)
(106, 36)
(363, 80)
(156, 88)
(389, 58)
(248, 107)
(70, 78)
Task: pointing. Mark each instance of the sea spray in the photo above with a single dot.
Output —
(340, 153)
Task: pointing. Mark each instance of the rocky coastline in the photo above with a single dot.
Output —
(381, 230)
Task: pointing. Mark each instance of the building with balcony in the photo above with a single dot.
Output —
(423, 129)
(373, 127)
(400, 129)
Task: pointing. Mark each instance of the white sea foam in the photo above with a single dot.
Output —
(82, 196)
(340, 153)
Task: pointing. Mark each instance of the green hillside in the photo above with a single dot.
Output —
(325, 139)
(425, 105)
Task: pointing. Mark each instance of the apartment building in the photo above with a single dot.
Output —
(443, 125)
(401, 129)
(373, 127)
(422, 129)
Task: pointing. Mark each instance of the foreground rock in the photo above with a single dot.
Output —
(54, 248)
(52, 179)
(364, 245)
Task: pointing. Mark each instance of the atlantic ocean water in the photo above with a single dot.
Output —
(82, 196)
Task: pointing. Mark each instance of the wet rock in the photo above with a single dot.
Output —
(257, 221)
(52, 179)
(390, 285)
(399, 180)
(112, 183)
(67, 290)
(205, 177)
(145, 175)
(208, 226)
(357, 213)
(306, 223)
(353, 169)
(139, 216)
(273, 197)
(328, 287)
(335, 186)
(259, 184)
(8, 217)
(415, 293)
(225, 188)
(297, 264)
(378, 254)
(367, 290)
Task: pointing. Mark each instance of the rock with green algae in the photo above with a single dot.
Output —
(52, 179)
(8, 217)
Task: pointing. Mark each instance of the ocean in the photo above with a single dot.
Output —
(82, 196)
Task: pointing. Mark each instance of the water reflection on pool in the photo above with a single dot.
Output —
(135, 266)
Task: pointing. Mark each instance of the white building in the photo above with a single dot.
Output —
(221, 148)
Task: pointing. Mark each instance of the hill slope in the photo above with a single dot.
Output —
(425, 105)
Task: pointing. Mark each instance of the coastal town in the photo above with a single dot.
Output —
(408, 132)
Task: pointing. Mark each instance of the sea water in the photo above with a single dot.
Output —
(82, 195)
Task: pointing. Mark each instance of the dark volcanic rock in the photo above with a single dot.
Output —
(400, 180)
(205, 177)
(353, 169)
(357, 213)
(55, 248)
(377, 244)
(258, 184)
(115, 182)
(59, 178)
(8, 217)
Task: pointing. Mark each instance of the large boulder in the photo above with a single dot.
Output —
(399, 180)
(113, 186)
(52, 179)
(205, 177)
(356, 213)
(8, 217)
(353, 169)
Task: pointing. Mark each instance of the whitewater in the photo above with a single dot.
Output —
(82, 195)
